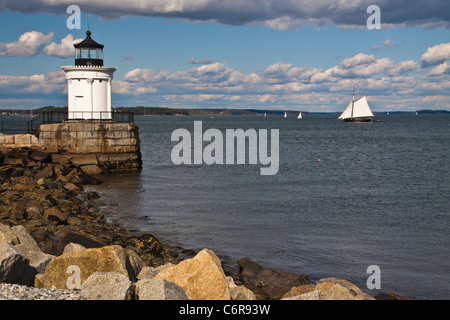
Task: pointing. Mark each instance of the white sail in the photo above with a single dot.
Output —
(285, 115)
(358, 109)
(300, 116)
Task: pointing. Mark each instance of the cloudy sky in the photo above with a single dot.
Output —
(266, 54)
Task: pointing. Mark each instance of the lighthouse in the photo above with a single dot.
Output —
(89, 82)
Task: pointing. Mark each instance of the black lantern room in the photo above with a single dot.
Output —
(88, 52)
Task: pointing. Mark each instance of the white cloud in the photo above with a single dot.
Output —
(403, 67)
(29, 44)
(440, 69)
(436, 54)
(63, 49)
(146, 75)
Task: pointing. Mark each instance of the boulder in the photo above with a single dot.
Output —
(53, 214)
(28, 246)
(61, 159)
(106, 259)
(7, 235)
(239, 292)
(34, 209)
(159, 289)
(46, 172)
(72, 247)
(151, 272)
(91, 169)
(72, 187)
(202, 277)
(259, 276)
(300, 290)
(67, 235)
(107, 286)
(312, 295)
(40, 156)
(390, 296)
(13, 264)
(242, 293)
(340, 289)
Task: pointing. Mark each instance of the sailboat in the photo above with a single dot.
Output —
(285, 115)
(300, 115)
(357, 110)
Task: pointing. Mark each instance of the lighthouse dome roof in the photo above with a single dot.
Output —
(88, 42)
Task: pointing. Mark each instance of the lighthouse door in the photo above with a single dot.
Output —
(78, 111)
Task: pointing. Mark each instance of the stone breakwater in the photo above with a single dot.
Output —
(54, 244)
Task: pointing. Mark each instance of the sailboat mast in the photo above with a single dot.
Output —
(353, 101)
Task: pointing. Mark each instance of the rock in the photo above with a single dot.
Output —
(107, 286)
(7, 235)
(148, 244)
(390, 296)
(91, 169)
(159, 289)
(239, 292)
(28, 246)
(13, 161)
(46, 172)
(300, 290)
(53, 214)
(67, 235)
(106, 259)
(40, 156)
(34, 209)
(340, 289)
(71, 187)
(312, 295)
(151, 272)
(6, 170)
(135, 262)
(257, 275)
(61, 159)
(230, 282)
(18, 211)
(71, 247)
(13, 264)
(202, 277)
(242, 293)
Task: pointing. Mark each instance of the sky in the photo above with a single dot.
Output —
(242, 54)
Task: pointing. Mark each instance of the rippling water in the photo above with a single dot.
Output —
(380, 195)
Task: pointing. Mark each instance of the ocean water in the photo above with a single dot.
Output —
(380, 195)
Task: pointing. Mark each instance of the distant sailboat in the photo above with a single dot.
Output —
(300, 115)
(357, 111)
(285, 115)
(265, 115)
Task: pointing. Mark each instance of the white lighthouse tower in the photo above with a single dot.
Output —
(89, 82)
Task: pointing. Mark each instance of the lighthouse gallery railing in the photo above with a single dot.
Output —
(51, 117)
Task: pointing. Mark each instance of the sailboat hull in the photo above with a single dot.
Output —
(358, 120)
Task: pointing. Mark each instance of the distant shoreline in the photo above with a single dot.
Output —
(160, 111)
